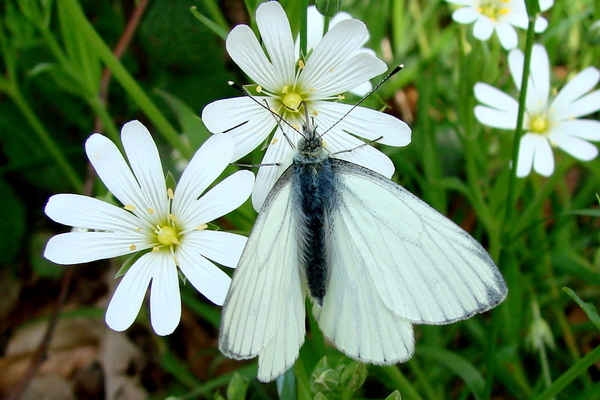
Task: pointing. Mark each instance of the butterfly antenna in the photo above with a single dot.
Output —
(388, 76)
(278, 118)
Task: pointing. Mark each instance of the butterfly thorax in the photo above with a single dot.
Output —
(313, 187)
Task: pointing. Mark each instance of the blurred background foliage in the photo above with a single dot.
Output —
(59, 82)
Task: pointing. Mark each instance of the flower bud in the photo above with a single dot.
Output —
(328, 8)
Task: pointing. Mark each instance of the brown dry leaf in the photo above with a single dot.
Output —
(79, 344)
(122, 363)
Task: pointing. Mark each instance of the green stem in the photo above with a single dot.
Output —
(124, 78)
(110, 128)
(510, 196)
(303, 27)
(398, 26)
(569, 376)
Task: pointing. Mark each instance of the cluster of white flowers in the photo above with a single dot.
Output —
(500, 16)
(165, 228)
(549, 120)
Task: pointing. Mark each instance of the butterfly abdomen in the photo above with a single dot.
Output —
(314, 191)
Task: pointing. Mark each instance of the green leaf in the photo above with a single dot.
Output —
(190, 122)
(128, 263)
(592, 212)
(460, 366)
(236, 390)
(395, 395)
(589, 308)
(286, 385)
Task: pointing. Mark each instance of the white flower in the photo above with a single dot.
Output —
(316, 24)
(549, 120)
(288, 85)
(167, 228)
(498, 15)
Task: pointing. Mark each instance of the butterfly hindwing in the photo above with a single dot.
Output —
(264, 311)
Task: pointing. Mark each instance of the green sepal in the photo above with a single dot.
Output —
(128, 263)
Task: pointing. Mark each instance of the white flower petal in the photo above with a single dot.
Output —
(483, 28)
(540, 25)
(496, 118)
(221, 247)
(165, 300)
(325, 70)
(519, 19)
(363, 122)
(527, 149)
(145, 162)
(465, 15)
(113, 170)
(497, 99)
(585, 105)
(582, 83)
(128, 297)
(546, 4)
(243, 119)
(539, 79)
(315, 23)
(516, 58)
(246, 52)
(576, 147)
(277, 38)
(207, 164)
(586, 129)
(90, 213)
(204, 275)
(363, 89)
(507, 35)
(367, 156)
(81, 247)
(462, 2)
(347, 75)
(225, 197)
(543, 159)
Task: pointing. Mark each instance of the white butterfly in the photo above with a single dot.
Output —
(373, 258)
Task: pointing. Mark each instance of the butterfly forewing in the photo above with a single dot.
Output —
(424, 267)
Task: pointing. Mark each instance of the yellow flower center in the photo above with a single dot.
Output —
(493, 9)
(539, 124)
(292, 101)
(167, 235)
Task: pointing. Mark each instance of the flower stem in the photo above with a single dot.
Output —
(303, 26)
(510, 195)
